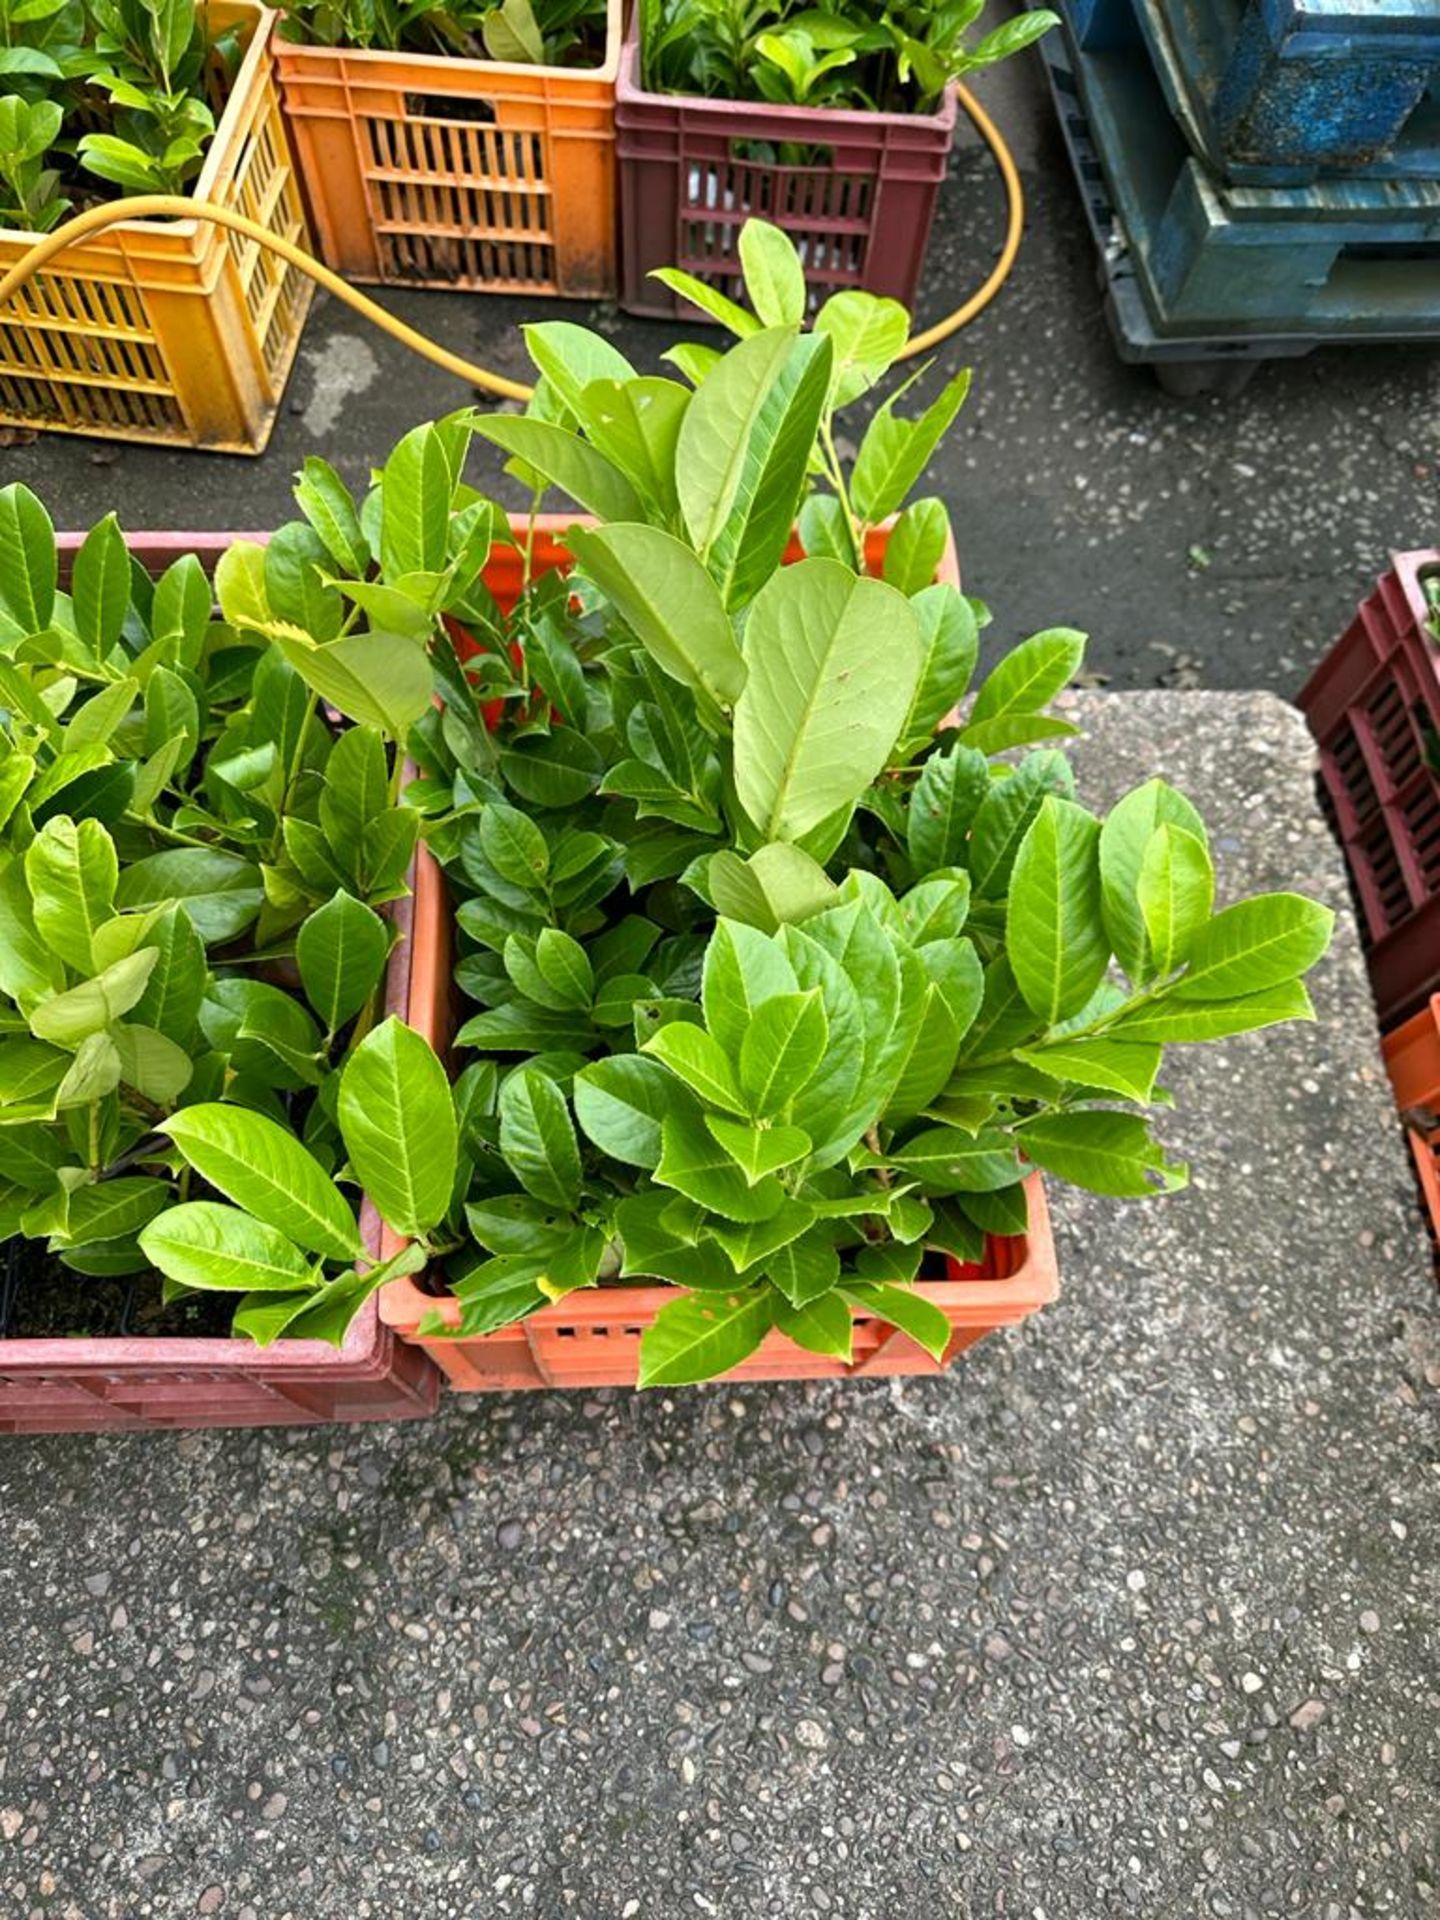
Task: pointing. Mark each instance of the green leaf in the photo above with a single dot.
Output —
(823, 1325)
(1054, 929)
(93, 1073)
(868, 334)
(325, 501)
(28, 564)
(113, 1210)
(669, 601)
(758, 1150)
(265, 1170)
(703, 1335)
(782, 1048)
(203, 1244)
(1126, 834)
(221, 892)
(100, 586)
(695, 1164)
(945, 1160)
(805, 1269)
(566, 461)
(742, 968)
(777, 886)
(636, 423)
(68, 1018)
(911, 1312)
(744, 551)
(711, 301)
(1026, 680)
(1257, 943)
(698, 1060)
(715, 445)
(511, 34)
(656, 1247)
(1186, 1022)
(71, 870)
(97, 720)
(1117, 1065)
(522, 1028)
(415, 492)
(916, 546)
(1110, 1153)
(30, 1075)
(822, 704)
(943, 806)
(556, 770)
(341, 951)
(774, 277)
(565, 967)
(380, 679)
(573, 358)
(518, 1223)
(621, 1102)
(936, 909)
(757, 1241)
(894, 452)
(537, 1138)
(240, 585)
(514, 846)
(1175, 892)
(398, 1123)
(950, 637)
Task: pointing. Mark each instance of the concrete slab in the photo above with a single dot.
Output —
(1134, 1613)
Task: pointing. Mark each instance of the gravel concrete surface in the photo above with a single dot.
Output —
(1211, 543)
(1132, 1614)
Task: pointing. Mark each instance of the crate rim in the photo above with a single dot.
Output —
(441, 63)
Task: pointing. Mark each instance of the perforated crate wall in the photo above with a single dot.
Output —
(471, 174)
(692, 172)
(1374, 707)
(172, 330)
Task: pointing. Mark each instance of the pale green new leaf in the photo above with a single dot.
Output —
(1108, 1152)
(262, 1167)
(205, 1245)
(1256, 944)
(398, 1123)
(341, 950)
(537, 1138)
(1054, 929)
(71, 870)
(669, 601)
(1175, 893)
(703, 1335)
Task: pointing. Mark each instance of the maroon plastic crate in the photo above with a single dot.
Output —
(134, 1384)
(1373, 706)
(688, 183)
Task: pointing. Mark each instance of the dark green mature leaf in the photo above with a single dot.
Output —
(620, 1103)
(1054, 929)
(1127, 832)
(1108, 1152)
(943, 806)
(398, 1123)
(752, 1244)
(759, 1150)
(263, 1168)
(670, 603)
(514, 846)
(113, 1209)
(521, 1027)
(555, 769)
(945, 1160)
(205, 1245)
(822, 705)
(1256, 944)
(823, 1325)
(341, 950)
(805, 1269)
(701, 1336)
(220, 891)
(537, 1138)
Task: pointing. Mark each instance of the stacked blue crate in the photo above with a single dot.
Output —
(1273, 166)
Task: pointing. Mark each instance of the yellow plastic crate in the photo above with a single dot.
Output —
(172, 330)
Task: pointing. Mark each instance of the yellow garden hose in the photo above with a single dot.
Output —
(165, 206)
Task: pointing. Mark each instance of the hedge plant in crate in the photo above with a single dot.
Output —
(191, 859)
(778, 988)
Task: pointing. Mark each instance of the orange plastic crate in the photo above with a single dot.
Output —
(1412, 1059)
(172, 330)
(422, 170)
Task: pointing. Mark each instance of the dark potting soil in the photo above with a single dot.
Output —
(42, 1300)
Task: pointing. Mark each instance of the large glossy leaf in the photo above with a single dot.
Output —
(1124, 838)
(203, 1244)
(1054, 929)
(774, 277)
(1005, 815)
(1175, 893)
(620, 1103)
(71, 870)
(341, 950)
(906, 1309)
(113, 1209)
(785, 1044)
(28, 564)
(380, 679)
(220, 891)
(67, 1018)
(1111, 1062)
(1186, 1022)
(715, 439)
(822, 703)
(697, 1058)
(572, 358)
(264, 1169)
(742, 968)
(694, 1163)
(823, 1325)
(669, 601)
(151, 1063)
(745, 549)
(567, 462)
(868, 334)
(779, 885)
(945, 1160)
(702, 1335)
(1254, 945)
(537, 1138)
(100, 586)
(1108, 1152)
(398, 1122)
(416, 489)
(636, 424)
